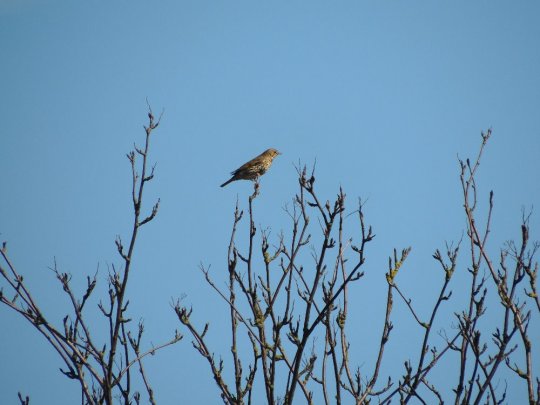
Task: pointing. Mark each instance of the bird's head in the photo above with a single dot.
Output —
(272, 152)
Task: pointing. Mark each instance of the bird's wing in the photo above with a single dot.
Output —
(243, 167)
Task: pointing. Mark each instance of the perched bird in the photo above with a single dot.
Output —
(255, 168)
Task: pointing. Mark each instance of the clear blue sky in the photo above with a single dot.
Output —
(384, 95)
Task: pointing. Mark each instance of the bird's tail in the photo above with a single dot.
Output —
(228, 181)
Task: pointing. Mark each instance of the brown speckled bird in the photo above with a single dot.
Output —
(255, 168)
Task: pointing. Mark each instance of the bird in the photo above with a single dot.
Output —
(255, 168)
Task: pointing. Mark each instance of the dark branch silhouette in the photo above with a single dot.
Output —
(287, 298)
(103, 369)
(295, 312)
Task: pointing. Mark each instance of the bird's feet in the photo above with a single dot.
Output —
(256, 187)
